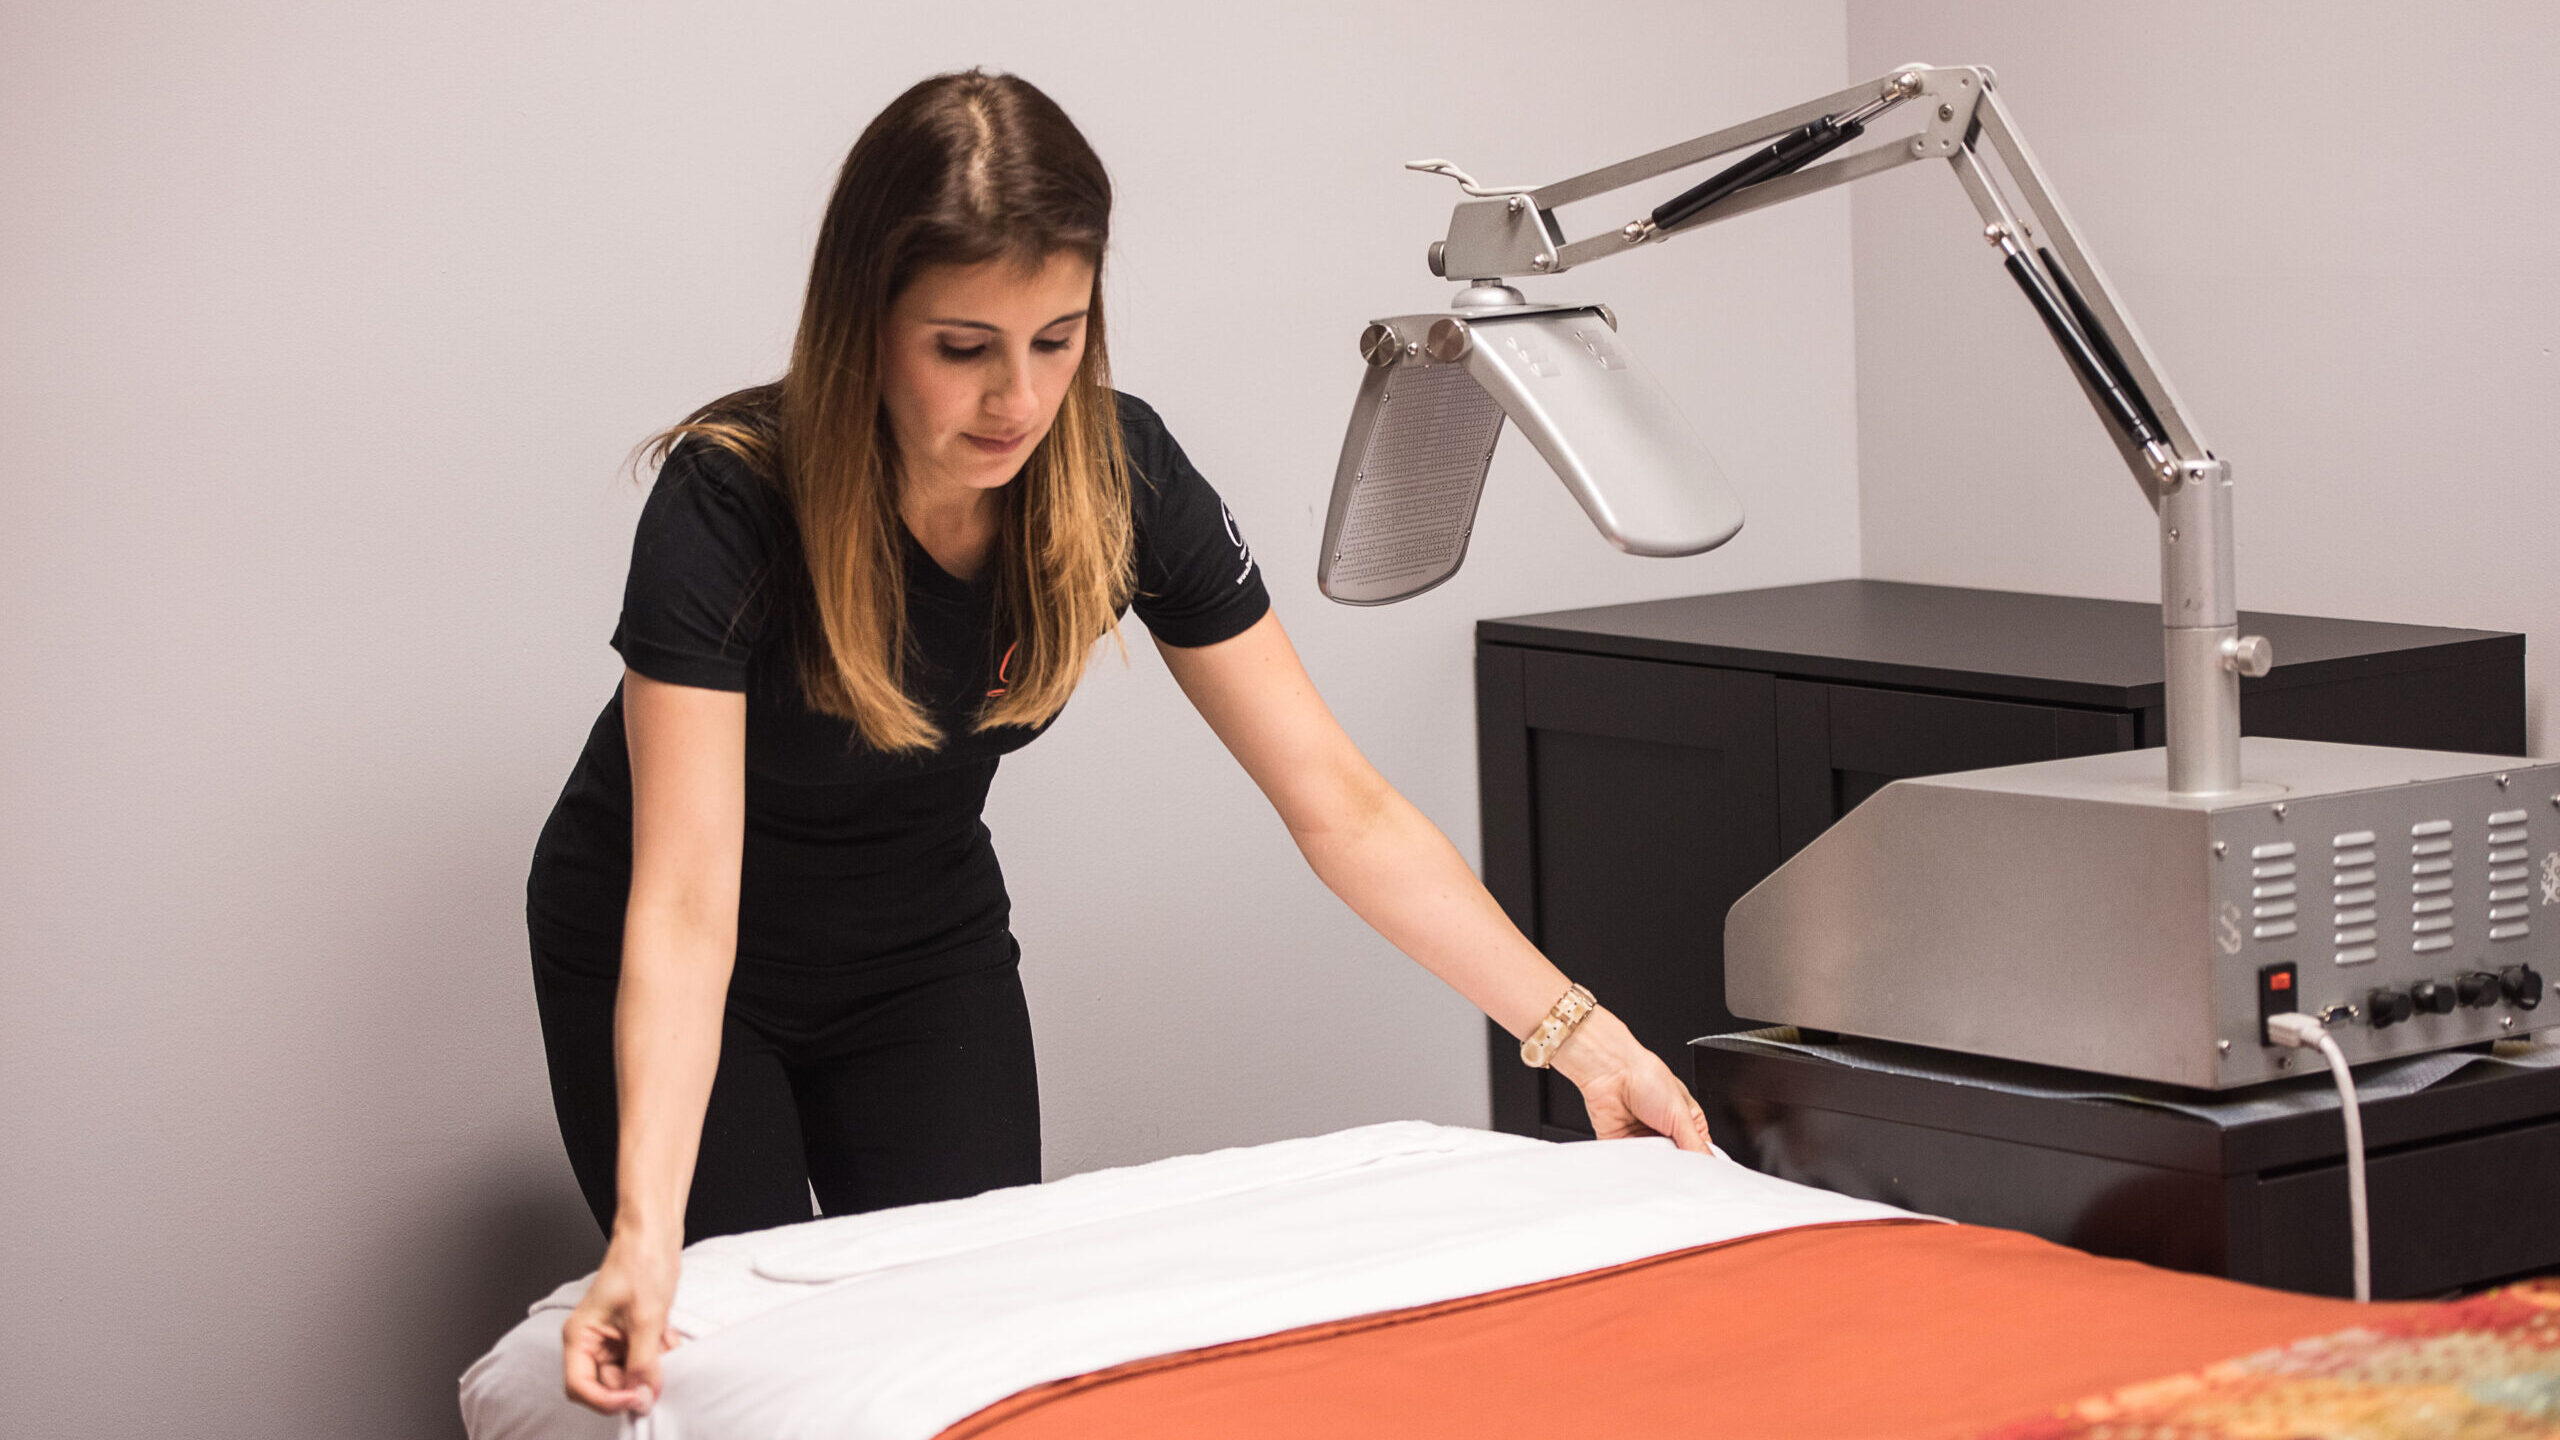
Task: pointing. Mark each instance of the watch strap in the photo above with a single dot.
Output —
(1548, 1035)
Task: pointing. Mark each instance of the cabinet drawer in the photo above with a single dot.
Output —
(1899, 733)
(1839, 744)
(2446, 1215)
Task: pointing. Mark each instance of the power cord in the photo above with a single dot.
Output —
(2305, 1032)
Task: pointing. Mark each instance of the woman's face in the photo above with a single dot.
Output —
(978, 360)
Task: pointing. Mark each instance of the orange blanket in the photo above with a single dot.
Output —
(1903, 1330)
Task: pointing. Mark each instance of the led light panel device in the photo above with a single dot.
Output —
(2139, 914)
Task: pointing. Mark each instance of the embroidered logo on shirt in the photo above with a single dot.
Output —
(1004, 670)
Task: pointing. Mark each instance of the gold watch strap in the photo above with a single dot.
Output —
(1549, 1035)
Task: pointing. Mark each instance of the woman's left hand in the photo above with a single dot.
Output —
(1626, 1087)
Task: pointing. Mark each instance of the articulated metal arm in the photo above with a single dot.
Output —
(1514, 231)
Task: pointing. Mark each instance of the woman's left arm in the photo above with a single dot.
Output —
(1393, 867)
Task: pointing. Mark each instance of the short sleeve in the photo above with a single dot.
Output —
(1197, 583)
(693, 607)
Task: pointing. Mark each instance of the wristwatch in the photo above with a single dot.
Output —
(1549, 1035)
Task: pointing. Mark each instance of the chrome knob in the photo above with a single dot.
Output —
(2250, 655)
(1449, 340)
(1380, 345)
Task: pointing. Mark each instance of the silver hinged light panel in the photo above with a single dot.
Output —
(1432, 406)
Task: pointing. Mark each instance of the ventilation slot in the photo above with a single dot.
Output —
(2509, 842)
(2351, 897)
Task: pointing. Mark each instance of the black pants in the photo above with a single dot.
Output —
(921, 1093)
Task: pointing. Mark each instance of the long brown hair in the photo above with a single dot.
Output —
(962, 169)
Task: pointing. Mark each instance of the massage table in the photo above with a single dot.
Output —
(1421, 1280)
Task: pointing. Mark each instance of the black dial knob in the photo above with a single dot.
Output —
(2478, 989)
(2433, 997)
(2388, 1007)
(2523, 985)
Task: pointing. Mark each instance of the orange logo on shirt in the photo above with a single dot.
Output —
(1004, 670)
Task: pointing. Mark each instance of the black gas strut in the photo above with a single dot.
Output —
(2097, 335)
(2090, 354)
(1784, 156)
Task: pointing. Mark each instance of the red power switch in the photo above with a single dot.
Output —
(2275, 995)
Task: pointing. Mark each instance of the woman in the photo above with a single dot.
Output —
(770, 936)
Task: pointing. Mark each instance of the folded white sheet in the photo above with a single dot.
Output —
(894, 1325)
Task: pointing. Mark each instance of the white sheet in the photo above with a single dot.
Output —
(895, 1325)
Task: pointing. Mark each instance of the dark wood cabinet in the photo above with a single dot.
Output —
(2463, 1177)
(1839, 744)
(1625, 768)
(1641, 766)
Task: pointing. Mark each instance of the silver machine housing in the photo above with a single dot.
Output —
(2076, 913)
(2125, 914)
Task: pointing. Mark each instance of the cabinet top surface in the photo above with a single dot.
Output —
(2057, 647)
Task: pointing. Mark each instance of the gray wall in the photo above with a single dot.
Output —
(2334, 224)
(322, 334)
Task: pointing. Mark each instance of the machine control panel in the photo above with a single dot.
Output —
(2518, 985)
(2408, 917)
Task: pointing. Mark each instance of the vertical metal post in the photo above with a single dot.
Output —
(2201, 625)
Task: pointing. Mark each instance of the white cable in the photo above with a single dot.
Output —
(2304, 1032)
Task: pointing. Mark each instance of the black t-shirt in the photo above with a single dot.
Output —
(861, 868)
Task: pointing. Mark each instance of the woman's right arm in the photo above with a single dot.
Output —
(679, 940)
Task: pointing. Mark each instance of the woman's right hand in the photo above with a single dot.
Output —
(679, 943)
(610, 1347)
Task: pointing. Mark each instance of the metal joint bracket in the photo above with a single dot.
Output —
(1507, 236)
(2176, 474)
(1957, 92)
